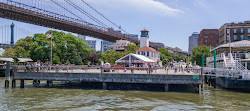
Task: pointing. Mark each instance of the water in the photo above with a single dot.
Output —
(32, 98)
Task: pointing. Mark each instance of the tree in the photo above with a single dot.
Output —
(10, 52)
(197, 54)
(66, 48)
(166, 56)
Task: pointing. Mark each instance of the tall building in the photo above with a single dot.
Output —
(209, 37)
(106, 45)
(234, 32)
(82, 37)
(91, 43)
(193, 41)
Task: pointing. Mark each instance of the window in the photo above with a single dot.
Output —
(211, 40)
(212, 36)
(147, 54)
(242, 37)
(235, 37)
(205, 40)
(248, 37)
(143, 53)
(228, 31)
(248, 30)
(227, 37)
(235, 30)
(205, 36)
(241, 30)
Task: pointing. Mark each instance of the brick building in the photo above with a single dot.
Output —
(209, 37)
(236, 31)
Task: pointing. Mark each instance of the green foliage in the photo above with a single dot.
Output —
(197, 54)
(111, 56)
(10, 52)
(66, 48)
(166, 56)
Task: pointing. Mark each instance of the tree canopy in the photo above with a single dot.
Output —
(67, 48)
(197, 54)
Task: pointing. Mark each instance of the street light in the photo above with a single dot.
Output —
(229, 40)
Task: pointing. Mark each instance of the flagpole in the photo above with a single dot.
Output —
(51, 51)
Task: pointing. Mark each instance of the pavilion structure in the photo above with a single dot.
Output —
(135, 60)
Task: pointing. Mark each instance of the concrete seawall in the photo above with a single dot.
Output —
(116, 78)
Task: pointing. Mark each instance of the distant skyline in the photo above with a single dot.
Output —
(169, 21)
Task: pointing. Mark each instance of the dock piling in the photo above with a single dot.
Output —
(166, 88)
(13, 83)
(50, 83)
(22, 83)
(104, 86)
(7, 75)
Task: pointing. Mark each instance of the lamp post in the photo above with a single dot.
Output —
(229, 40)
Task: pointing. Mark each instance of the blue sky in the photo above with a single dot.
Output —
(169, 21)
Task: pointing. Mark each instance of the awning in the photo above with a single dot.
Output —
(24, 59)
(239, 44)
(137, 59)
(6, 59)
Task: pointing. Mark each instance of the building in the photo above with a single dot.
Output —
(106, 45)
(91, 43)
(121, 45)
(234, 31)
(144, 56)
(209, 37)
(82, 37)
(147, 51)
(193, 41)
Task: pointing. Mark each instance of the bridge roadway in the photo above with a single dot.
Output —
(118, 76)
(29, 14)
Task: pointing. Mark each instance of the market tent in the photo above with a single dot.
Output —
(134, 58)
(6, 59)
(24, 59)
(239, 44)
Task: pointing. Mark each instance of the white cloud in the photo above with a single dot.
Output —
(145, 6)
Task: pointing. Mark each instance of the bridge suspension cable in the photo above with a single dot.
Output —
(103, 16)
(67, 10)
(85, 13)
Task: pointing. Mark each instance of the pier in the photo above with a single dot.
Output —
(163, 77)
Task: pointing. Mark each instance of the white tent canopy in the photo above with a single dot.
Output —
(134, 58)
(24, 59)
(239, 44)
(6, 59)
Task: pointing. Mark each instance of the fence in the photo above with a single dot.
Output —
(114, 70)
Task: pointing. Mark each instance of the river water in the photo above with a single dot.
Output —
(31, 98)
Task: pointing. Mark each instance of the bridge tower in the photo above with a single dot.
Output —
(12, 35)
(144, 41)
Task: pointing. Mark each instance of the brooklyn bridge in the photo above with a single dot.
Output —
(65, 15)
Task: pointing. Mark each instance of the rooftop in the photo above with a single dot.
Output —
(145, 48)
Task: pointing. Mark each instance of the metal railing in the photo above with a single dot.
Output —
(113, 70)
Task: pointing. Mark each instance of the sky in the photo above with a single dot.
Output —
(169, 21)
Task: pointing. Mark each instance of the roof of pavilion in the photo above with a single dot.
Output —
(146, 48)
(141, 58)
(239, 45)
